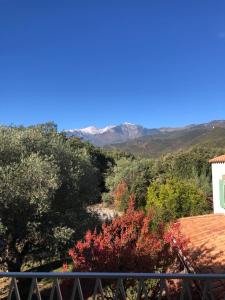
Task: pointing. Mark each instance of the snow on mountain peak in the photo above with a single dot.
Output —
(94, 130)
(107, 128)
(129, 124)
(89, 129)
(110, 134)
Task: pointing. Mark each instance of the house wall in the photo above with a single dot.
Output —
(218, 170)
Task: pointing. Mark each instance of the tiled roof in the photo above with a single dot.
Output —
(207, 246)
(218, 159)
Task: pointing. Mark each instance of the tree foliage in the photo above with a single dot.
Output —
(121, 195)
(46, 182)
(189, 164)
(150, 246)
(176, 198)
(136, 174)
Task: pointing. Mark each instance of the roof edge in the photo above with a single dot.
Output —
(218, 159)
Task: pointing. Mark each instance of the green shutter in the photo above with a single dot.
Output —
(222, 200)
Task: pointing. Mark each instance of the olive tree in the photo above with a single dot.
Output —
(45, 186)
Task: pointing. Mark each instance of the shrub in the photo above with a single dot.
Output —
(150, 246)
(176, 198)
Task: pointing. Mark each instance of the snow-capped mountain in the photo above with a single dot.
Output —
(126, 132)
(91, 130)
(111, 134)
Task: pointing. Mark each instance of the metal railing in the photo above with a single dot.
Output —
(186, 288)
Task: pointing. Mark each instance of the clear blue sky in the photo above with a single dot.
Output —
(79, 63)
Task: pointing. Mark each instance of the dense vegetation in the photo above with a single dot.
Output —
(153, 195)
(178, 182)
(47, 181)
(128, 176)
(176, 198)
(150, 246)
(160, 144)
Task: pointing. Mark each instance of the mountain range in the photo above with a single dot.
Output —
(111, 134)
(153, 141)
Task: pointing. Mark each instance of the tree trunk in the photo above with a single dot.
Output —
(15, 264)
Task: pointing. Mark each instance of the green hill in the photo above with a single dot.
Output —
(165, 142)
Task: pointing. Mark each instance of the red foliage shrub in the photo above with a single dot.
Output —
(130, 243)
(121, 195)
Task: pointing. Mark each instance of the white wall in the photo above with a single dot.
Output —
(218, 169)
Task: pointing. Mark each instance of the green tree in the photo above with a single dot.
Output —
(136, 173)
(99, 158)
(189, 164)
(45, 186)
(25, 192)
(176, 198)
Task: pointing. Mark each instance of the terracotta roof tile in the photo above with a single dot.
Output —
(206, 250)
(218, 159)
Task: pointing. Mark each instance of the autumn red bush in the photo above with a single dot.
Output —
(121, 195)
(133, 242)
(150, 246)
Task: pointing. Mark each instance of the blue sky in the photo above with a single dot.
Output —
(79, 63)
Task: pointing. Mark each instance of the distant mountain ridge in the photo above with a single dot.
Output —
(135, 138)
(210, 134)
(111, 134)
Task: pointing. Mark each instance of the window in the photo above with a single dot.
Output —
(222, 193)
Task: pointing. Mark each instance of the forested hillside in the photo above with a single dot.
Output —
(156, 145)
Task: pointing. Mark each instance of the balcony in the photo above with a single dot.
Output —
(188, 286)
